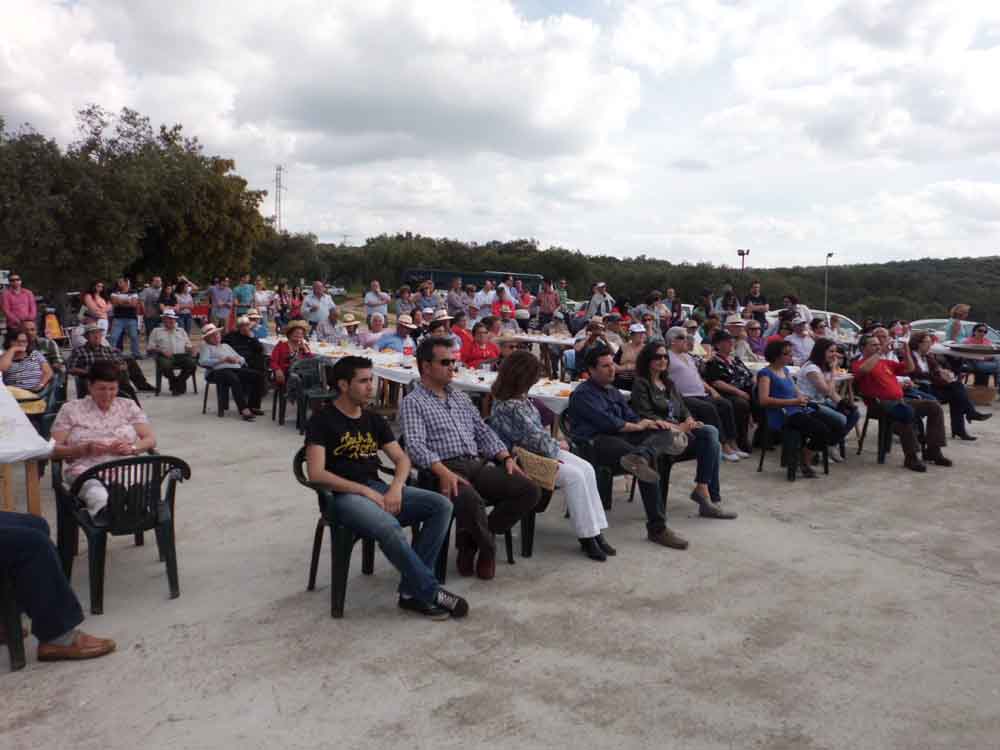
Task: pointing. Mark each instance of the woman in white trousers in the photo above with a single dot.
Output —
(518, 423)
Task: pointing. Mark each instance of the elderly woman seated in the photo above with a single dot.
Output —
(227, 368)
(97, 428)
(24, 373)
(295, 347)
(376, 327)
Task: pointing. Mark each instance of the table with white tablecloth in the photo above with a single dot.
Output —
(20, 443)
(402, 369)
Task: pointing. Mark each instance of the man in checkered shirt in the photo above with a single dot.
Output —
(445, 435)
(93, 350)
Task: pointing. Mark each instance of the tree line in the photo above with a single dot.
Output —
(910, 290)
(125, 198)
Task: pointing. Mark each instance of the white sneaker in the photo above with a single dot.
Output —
(734, 457)
(835, 457)
(742, 454)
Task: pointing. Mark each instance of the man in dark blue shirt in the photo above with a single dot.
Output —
(599, 413)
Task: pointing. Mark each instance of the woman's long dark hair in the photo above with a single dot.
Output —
(645, 359)
(818, 354)
(518, 372)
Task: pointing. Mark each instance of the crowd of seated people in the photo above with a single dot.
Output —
(697, 386)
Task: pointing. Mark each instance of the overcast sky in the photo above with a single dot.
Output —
(680, 129)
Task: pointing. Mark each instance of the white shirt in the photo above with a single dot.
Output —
(169, 342)
(802, 346)
(485, 298)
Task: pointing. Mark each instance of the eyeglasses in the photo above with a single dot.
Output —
(753, 328)
(679, 338)
(660, 356)
(14, 278)
(446, 362)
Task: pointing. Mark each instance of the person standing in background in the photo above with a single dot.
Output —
(18, 303)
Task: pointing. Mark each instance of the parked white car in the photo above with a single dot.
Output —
(848, 327)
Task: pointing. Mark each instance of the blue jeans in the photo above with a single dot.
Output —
(184, 321)
(844, 421)
(982, 369)
(430, 510)
(121, 327)
(704, 443)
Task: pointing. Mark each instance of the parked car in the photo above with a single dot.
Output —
(848, 326)
(939, 326)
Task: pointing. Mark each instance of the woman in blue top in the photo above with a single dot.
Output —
(786, 407)
(517, 421)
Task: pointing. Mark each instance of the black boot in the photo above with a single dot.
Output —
(592, 549)
(978, 416)
(605, 547)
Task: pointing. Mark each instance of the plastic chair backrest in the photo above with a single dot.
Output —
(135, 489)
(299, 469)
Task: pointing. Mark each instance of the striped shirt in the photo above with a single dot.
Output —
(437, 429)
(26, 372)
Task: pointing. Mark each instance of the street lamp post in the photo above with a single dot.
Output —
(743, 259)
(826, 285)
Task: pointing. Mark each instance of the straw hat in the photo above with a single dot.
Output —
(296, 324)
(406, 321)
(735, 320)
(349, 320)
(169, 313)
(209, 329)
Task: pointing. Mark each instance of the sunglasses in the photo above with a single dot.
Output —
(446, 362)
(753, 328)
(660, 356)
(680, 338)
(14, 278)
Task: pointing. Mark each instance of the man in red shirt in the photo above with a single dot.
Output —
(876, 380)
(18, 303)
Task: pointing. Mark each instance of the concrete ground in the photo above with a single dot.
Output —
(859, 610)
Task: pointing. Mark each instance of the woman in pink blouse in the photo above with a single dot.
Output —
(97, 428)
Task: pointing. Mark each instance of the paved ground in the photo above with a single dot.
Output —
(860, 610)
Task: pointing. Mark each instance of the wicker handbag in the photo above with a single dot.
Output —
(541, 470)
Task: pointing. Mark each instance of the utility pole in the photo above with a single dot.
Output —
(826, 287)
(346, 238)
(743, 260)
(277, 197)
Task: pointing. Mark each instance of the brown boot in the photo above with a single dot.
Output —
(486, 565)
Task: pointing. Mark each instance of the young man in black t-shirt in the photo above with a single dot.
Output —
(342, 445)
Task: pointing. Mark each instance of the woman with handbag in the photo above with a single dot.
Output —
(816, 383)
(654, 396)
(547, 461)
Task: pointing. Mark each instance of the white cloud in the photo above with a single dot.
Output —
(680, 128)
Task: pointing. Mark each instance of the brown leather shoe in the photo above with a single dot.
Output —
(667, 538)
(84, 646)
(486, 566)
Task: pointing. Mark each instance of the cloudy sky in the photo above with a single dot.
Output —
(681, 129)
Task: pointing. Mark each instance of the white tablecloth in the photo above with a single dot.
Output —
(947, 351)
(19, 441)
(399, 369)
